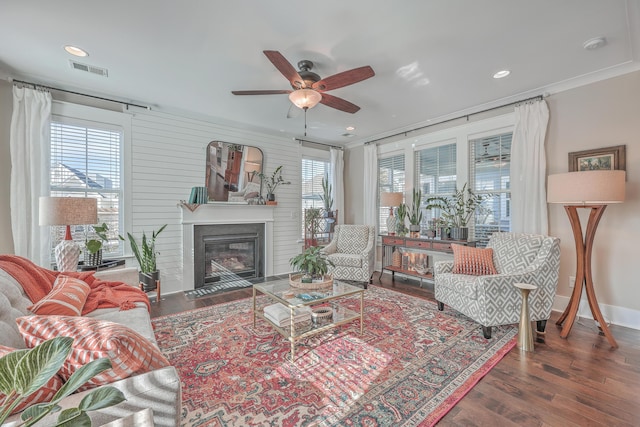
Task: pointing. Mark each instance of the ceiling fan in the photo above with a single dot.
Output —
(308, 88)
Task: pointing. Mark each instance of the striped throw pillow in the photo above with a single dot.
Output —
(43, 394)
(473, 261)
(67, 298)
(130, 353)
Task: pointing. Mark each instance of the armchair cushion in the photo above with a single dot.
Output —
(347, 260)
(473, 261)
(512, 253)
(353, 239)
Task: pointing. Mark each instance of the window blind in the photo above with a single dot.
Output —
(86, 162)
(391, 178)
(435, 174)
(313, 171)
(490, 161)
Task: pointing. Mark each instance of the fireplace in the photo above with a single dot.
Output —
(228, 252)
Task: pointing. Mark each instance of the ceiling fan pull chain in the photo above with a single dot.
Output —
(305, 121)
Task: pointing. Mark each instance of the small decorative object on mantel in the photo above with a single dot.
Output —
(273, 182)
(313, 266)
(198, 195)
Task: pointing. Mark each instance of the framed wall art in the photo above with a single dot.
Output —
(608, 158)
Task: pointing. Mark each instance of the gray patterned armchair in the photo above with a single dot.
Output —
(352, 250)
(493, 300)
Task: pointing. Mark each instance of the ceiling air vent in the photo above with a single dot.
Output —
(89, 69)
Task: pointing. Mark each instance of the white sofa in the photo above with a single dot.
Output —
(159, 390)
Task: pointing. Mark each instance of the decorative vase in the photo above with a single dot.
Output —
(396, 258)
(149, 281)
(93, 259)
(271, 197)
(459, 233)
(444, 232)
(414, 230)
(392, 223)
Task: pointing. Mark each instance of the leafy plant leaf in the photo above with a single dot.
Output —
(8, 365)
(34, 413)
(81, 376)
(73, 417)
(40, 364)
(102, 397)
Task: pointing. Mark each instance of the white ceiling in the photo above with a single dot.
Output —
(432, 59)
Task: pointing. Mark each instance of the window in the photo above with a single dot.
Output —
(86, 162)
(490, 160)
(390, 179)
(435, 174)
(313, 172)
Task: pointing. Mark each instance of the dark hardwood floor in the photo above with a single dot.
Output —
(579, 381)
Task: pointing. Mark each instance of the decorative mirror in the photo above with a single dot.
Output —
(233, 172)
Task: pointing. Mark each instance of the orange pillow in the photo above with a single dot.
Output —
(473, 261)
(130, 353)
(67, 298)
(43, 394)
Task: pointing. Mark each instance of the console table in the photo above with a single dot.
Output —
(419, 247)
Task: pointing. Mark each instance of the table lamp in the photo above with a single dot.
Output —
(391, 200)
(590, 190)
(68, 211)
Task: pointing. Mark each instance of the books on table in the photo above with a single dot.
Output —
(281, 315)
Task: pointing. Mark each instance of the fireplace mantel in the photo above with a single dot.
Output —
(223, 213)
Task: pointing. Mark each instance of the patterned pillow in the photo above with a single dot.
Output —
(472, 261)
(43, 394)
(67, 298)
(130, 353)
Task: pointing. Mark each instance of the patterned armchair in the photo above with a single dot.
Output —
(493, 300)
(352, 250)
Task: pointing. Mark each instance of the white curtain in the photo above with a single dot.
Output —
(337, 181)
(29, 143)
(370, 187)
(528, 169)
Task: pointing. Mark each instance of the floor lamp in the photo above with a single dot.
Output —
(68, 211)
(592, 190)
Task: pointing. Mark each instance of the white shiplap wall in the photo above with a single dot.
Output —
(168, 158)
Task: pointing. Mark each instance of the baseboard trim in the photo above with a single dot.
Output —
(620, 316)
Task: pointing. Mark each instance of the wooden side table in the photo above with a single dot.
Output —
(525, 333)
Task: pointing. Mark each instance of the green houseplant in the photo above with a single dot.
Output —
(401, 214)
(327, 200)
(272, 182)
(415, 213)
(312, 263)
(145, 254)
(458, 209)
(25, 371)
(93, 255)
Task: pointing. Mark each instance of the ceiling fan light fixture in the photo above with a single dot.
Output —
(305, 98)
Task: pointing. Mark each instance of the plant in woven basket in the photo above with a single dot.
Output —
(24, 372)
(312, 263)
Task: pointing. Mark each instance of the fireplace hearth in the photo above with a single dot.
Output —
(227, 253)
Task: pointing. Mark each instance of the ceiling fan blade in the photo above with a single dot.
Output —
(338, 103)
(259, 92)
(285, 67)
(344, 78)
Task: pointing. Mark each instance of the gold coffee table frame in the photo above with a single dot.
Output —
(277, 289)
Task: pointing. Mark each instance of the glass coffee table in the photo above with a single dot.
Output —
(294, 298)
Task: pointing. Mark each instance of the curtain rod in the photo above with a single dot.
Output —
(337, 147)
(537, 97)
(36, 85)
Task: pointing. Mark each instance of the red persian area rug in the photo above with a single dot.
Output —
(410, 367)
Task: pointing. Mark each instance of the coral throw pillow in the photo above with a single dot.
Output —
(43, 394)
(473, 261)
(130, 353)
(67, 298)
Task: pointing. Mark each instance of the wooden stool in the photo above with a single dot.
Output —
(525, 333)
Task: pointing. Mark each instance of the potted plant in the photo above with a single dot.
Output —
(93, 255)
(401, 214)
(312, 263)
(327, 200)
(458, 209)
(273, 182)
(25, 371)
(145, 254)
(415, 214)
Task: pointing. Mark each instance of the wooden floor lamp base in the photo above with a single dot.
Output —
(583, 272)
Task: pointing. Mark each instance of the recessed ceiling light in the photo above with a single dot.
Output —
(76, 51)
(350, 128)
(502, 73)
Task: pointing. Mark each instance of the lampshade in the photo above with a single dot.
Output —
(390, 199)
(305, 98)
(583, 188)
(68, 210)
